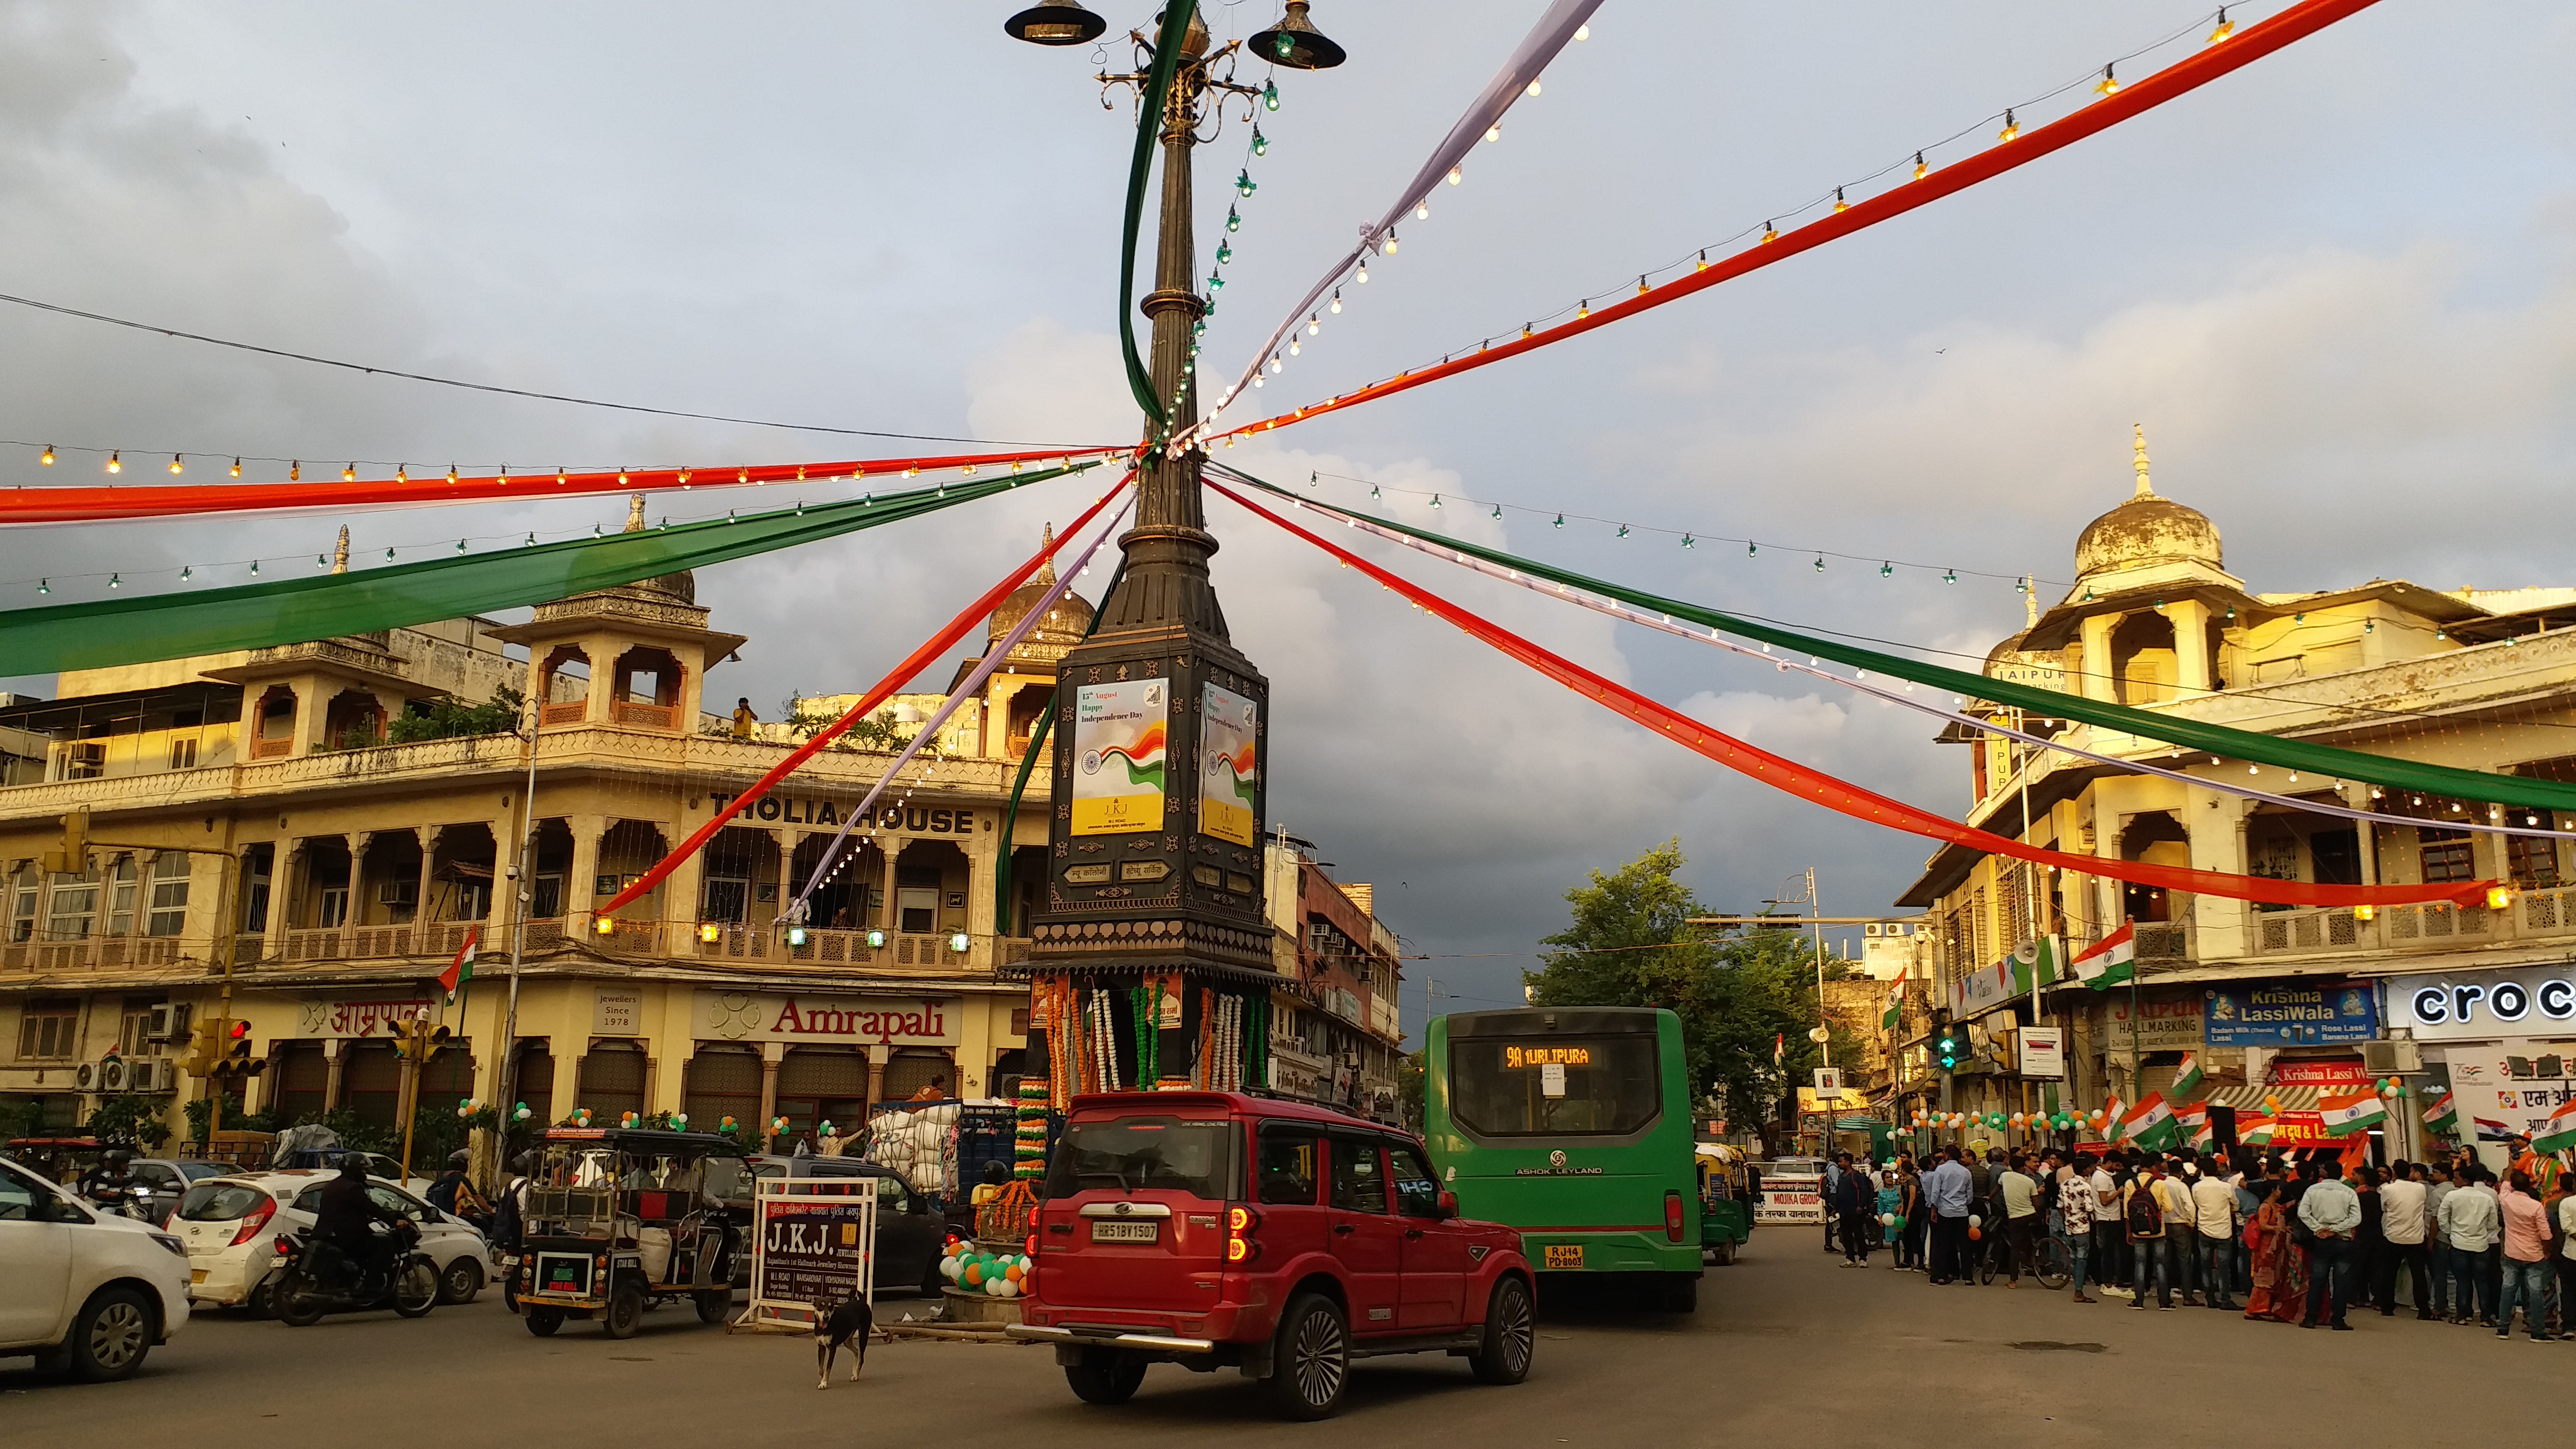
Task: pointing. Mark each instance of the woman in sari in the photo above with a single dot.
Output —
(2280, 1267)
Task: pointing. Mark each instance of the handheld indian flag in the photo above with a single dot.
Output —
(2188, 1080)
(2444, 1115)
(460, 970)
(2110, 961)
(2254, 1129)
(2114, 1119)
(2491, 1130)
(2560, 1133)
(2195, 1123)
(2151, 1123)
(1895, 1011)
(2346, 1113)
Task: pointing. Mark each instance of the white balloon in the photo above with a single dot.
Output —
(1976, 1220)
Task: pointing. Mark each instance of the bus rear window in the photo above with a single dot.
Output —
(1529, 1086)
(1136, 1154)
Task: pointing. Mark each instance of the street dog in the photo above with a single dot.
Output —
(845, 1324)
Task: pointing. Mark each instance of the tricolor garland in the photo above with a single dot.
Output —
(1819, 788)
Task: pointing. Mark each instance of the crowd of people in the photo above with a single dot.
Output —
(2290, 1238)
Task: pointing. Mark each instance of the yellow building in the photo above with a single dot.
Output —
(2479, 679)
(257, 807)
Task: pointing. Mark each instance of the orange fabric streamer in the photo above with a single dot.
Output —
(920, 659)
(1860, 804)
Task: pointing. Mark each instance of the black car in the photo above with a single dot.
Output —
(911, 1238)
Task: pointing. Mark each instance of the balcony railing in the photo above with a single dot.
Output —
(2531, 915)
(95, 953)
(735, 942)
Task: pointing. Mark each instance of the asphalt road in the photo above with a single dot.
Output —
(1786, 1344)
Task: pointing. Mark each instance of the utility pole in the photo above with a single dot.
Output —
(522, 885)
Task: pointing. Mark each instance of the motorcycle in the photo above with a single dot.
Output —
(129, 1199)
(315, 1276)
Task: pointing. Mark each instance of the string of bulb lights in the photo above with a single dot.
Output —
(1558, 518)
(1832, 202)
(189, 573)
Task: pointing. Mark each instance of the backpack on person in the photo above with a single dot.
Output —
(2146, 1215)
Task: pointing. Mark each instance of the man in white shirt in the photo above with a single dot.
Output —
(2437, 1186)
(2213, 1204)
(2110, 1241)
(2473, 1224)
(2181, 1216)
(2402, 1230)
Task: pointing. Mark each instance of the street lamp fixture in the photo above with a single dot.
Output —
(1297, 44)
(1055, 25)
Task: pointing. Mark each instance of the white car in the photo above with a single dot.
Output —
(229, 1228)
(83, 1291)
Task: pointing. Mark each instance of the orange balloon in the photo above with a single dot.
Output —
(974, 1273)
(1975, 1233)
(1012, 1272)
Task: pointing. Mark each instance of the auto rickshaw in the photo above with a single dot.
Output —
(619, 1219)
(1725, 1205)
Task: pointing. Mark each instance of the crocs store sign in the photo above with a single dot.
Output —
(2474, 1005)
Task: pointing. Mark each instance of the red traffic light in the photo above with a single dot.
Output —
(240, 1033)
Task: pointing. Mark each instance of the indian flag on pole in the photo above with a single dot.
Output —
(2111, 960)
(2346, 1113)
(2195, 1122)
(1895, 1011)
(2560, 1133)
(2188, 1080)
(2114, 1115)
(2254, 1129)
(2151, 1123)
(460, 970)
(2444, 1115)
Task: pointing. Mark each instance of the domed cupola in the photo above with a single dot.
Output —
(2146, 530)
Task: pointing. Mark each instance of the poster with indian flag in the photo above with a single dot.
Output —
(2346, 1113)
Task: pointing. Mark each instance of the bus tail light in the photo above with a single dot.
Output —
(1239, 1245)
(1673, 1216)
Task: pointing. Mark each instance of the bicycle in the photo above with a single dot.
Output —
(2050, 1263)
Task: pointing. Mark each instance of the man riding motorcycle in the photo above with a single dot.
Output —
(346, 1219)
(110, 1185)
(452, 1193)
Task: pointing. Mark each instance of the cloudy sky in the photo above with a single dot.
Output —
(2338, 288)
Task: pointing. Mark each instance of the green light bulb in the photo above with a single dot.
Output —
(1233, 219)
(1224, 253)
(1270, 94)
(1260, 142)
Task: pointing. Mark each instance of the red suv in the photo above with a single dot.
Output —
(1220, 1230)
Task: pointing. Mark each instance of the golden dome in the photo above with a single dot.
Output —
(1065, 624)
(2146, 530)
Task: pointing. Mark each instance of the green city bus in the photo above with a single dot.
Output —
(1573, 1125)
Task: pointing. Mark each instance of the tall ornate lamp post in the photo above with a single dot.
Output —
(1151, 959)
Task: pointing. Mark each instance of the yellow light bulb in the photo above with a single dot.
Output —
(349, 474)
(2012, 128)
(48, 458)
(1840, 205)
(2110, 85)
(114, 463)
(2226, 27)
(236, 467)
(175, 465)
(1533, 87)
(1921, 168)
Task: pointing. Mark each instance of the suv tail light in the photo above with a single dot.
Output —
(256, 1219)
(1239, 1246)
(1673, 1216)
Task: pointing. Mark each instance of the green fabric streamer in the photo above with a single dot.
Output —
(134, 629)
(1149, 126)
(2324, 760)
(1037, 748)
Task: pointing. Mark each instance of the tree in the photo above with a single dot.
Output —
(1630, 944)
(1409, 1075)
(445, 719)
(128, 1120)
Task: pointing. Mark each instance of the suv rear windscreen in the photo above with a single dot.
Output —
(220, 1202)
(1519, 1087)
(1202, 1157)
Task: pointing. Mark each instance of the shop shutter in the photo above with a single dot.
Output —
(612, 1082)
(828, 1073)
(448, 1079)
(535, 1085)
(303, 1082)
(371, 1082)
(910, 1071)
(721, 1082)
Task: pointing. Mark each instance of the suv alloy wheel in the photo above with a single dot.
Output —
(1511, 1334)
(110, 1336)
(1310, 1365)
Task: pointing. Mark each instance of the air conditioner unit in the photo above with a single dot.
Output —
(169, 1022)
(85, 1077)
(152, 1074)
(398, 892)
(2391, 1058)
(112, 1074)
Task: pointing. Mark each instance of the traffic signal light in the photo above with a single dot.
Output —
(1949, 1043)
(73, 856)
(236, 1061)
(205, 1047)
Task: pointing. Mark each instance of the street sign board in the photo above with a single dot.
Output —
(813, 1241)
(1829, 1081)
